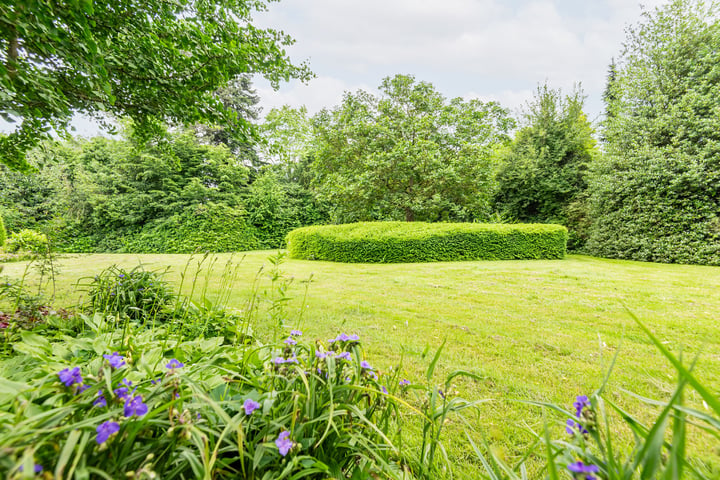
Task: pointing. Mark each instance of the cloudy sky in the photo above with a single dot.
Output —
(488, 49)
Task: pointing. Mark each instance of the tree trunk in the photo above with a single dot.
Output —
(409, 215)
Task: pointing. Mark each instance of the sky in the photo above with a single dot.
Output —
(498, 50)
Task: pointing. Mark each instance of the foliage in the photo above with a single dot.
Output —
(543, 174)
(27, 241)
(278, 203)
(204, 228)
(137, 294)
(3, 233)
(237, 96)
(393, 242)
(654, 196)
(175, 195)
(154, 61)
(408, 154)
(287, 135)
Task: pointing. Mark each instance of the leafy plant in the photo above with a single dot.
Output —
(27, 240)
(287, 410)
(137, 294)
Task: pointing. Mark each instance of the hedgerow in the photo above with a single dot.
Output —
(402, 242)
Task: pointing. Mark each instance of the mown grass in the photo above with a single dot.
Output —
(533, 330)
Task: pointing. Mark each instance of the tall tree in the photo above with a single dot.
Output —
(153, 60)
(543, 175)
(655, 196)
(407, 154)
(240, 97)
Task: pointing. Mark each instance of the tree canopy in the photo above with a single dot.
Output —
(655, 194)
(407, 154)
(152, 60)
(544, 172)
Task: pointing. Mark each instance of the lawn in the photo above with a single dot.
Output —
(543, 330)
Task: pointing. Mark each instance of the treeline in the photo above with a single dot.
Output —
(648, 190)
(174, 196)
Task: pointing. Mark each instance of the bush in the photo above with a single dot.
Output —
(3, 234)
(399, 242)
(204, 227)
(27, 241)
(137, 294)
(290, 410)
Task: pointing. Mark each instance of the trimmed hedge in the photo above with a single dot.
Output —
(402, 242)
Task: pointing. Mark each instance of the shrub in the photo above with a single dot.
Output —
(289, 410)
(27, 241)
(205, 228)
(395, 242)
(3, 233)
(137, 294)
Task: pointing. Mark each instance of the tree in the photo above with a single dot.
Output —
(543, 175)
(152, 60)
(287, 135)
(239, 97)
(655, 195)
(408, 154)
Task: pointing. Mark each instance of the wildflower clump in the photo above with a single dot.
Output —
(139, 411)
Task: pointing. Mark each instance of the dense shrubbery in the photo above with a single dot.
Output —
(544, 172)
(27, 240)
(655, 195)
(395, 242)
(3, 233)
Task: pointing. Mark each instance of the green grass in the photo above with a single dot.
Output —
(542, 330)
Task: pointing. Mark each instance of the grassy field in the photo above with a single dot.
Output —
(533, 330)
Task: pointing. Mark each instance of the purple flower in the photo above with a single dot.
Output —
(174, 364)
(115, 360)
(124, 391)
(121, 276)
(70, 376)
(250, 406)
(323, 355)
(573, 426)
(104, 430)
(292, 360)
(353, 338)
(580, 467)
(283, 443)
(404, 382)
(37, 468)
(343, 337)
(100, 401)
(384, 390)
(365, 365)
(278, 360)
(344, 356)
(135, 406)
(581, 402)
(295, 333)
(290, 341)
(81, 388)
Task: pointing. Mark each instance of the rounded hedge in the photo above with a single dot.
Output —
(402, 242)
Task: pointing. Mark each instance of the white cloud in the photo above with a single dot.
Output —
(320, 93)
(490, 47)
